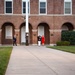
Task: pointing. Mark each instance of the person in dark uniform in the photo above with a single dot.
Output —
(14, 41)
(39, 40)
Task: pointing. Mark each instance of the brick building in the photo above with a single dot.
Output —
(46, 17)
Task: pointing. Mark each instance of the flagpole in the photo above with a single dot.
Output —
(27, 25)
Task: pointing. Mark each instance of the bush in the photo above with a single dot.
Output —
(59, 43)
(66, 43)
(63, 43)
(68, 36)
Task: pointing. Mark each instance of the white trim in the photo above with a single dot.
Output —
(22, 7)
(34, 44)
(8, 0)
(5, 7)
(55, 30)
(18, 44)
(39, 7)
(68, 0)
(52, 44)
(29, 7)
(46, 7)
(51, 30)
(17, 30)
(37, 15)
(70, 7)
(42, 0)
(34, 30)
(25, 0)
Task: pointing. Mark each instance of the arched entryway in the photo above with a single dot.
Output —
(23, 33)
(67, 33)
(7, 33)
(67, 27)
(43, 29)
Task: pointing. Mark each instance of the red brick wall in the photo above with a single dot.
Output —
(34, 36)
(53, 6)
(54, 22)
(73, 3)
(34, 6)
(50, 7)
(58, 6)
(1, 6)
(17, 9)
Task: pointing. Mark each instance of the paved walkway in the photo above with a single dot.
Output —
(34, 60)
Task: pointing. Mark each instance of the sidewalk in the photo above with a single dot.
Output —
(34, 60)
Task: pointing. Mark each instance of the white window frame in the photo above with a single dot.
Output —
(22, 6)
(70, 7)
(46, 7)
(5, 6)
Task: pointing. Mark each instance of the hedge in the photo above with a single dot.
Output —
(63, 43)
(68, 36)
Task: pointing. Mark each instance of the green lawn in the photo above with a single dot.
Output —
(70, 49)
(4, 58)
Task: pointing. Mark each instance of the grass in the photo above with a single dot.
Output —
(4, 58)
(70, 49)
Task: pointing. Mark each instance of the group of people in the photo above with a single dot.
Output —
(41, 40)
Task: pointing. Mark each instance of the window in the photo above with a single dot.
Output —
(8, 32)
(8, 6)
(67, 7)
(24, 7)
(42, 6)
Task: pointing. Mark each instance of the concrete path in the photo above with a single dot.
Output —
(35, 60)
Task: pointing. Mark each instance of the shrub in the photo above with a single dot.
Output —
(59, 43)
(63, 43)
(66, 43)
(68, 36)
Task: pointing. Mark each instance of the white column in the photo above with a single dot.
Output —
(27, 28)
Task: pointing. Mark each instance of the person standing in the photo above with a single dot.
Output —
(14, 40)
(43, 40)
(39, 40)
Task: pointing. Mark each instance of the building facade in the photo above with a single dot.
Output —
(46, 17)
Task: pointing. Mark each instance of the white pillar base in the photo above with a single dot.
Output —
(34, 44)
(52, 44)
(0, 44)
